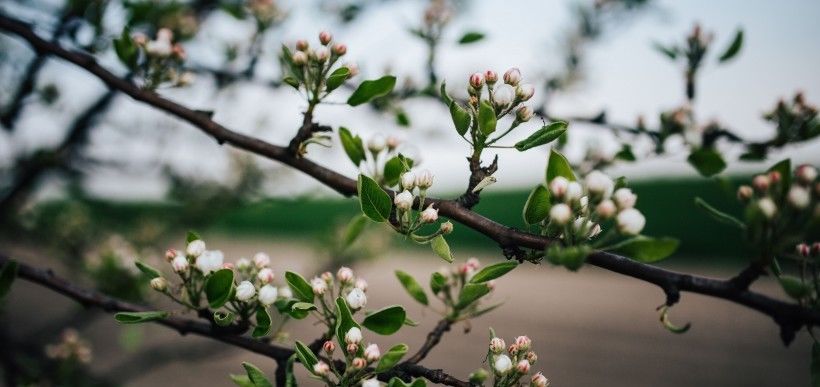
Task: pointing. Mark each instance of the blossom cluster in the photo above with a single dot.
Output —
(70, 348)
(511, 363)
(345, 285)
(357, 358)
(775, 196)
(506, 97)
(158, 61)
(310, 68)
(448, 284)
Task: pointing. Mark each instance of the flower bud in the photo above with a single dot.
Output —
(477, 81)
(352, 69)
(139, 39)
(261, 260)
(408, 180)
(558, 187)
(170, 254)
(245, 291)
(265, 275)
(805, 174)
(429, 215)
(358, 363)
(512, 76)
(497, 345)
(325, 37)
(356, 299)
(393, 142)
(560, 213)
(318, 285)
(815, 248)
(523, 367)
(531, 357)
(209, 261)
(299, 58)
(594, 231)
(446, 228)
(371, 353)
(339, 49)
(775, 177)
(353, 336)
(761, 183)
(404, 200)
(502, 364)
(624, 198)
(361, 284)
(179, 264)
(376, 143)
(630, 221)
(227, 265)
(321, 368)
(539, 380)
(524, 92)
(179, 51)
(574, 192)
(523, 343)
(372, 382)
(345, 275)
(195, 248)
(802, 249)
(606, 209)
(327, 277)
(478, 376)
(302, 45)
(491, 77)
(329, 346)
(268, 294)
(321, 54)
(503, 96)
(767, 207)
(599, 184)
(160, 284)
(744, 193)
(285, 292)
(524, 113)
(798, 197)
(424, 179)
(513, 349)
(352, 348)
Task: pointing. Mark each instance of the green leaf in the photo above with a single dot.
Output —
(721, 217)
(290, 377)
(241, 380)
(337, 78)
(7, 275)
(148, 270)
(437, 282)
(344, 321)
(470, 293)
(441, 248)
(402, 119)
(371, 89)
(306, 356)
(301, 288)
(292, 82)
(794, 287)
(127, 51)
(394, 168)
(645, 249)
(537, 207)
(353, 146)
(670, 52)
(139, 317)
(545, 135)
(263, 322)
(192, 236)
(461, 118)
(470, 37)
(396, 382)
(444, 96)
(815, 364)
(559, 166)
(733, 48)
(353, 230)
(784, 167)
(572, 257)
(375, 203)
(223, 318)
(386, 321)
(707, 161)
(219, 287)
(391, 357)
(494, 271)
(300, 310)
(486, 118)
(256, 376)
(412, 286)
(626, 153)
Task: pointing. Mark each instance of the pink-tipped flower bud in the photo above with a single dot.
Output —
(429, 215)
(606, 209)
(761, 183)
(227, 265)
(321, 368)
(299, 58)
(775, 177)
(321, 54)
(302, 45)
(358, 363)
(512, 76)
(318, 285)
(352, 69)
(531, 357)
(815, 249)
(491, 77)
(446, 228)
(424, 179)
(170, 254)
(139, 39)
(179, 51)
(403, 200)
(767, 207)
(352, 348)
(325, 37)
(524, 92)
(523, 367)
(798, 197)
(261, 260)
(744, 193)
(327, 277)
(803, 250)
(265, 275)
(512, 349)
(558, 187)
(195, 248)
(361, 284)
(353, 336)
(345, 275)
(160, 284)
(524, 113)
(339, 49)
(179, 264)
(497, 345)
(372, 353)
(393, 142)
(539, 380)
(477, 81)
(523, 342)
(329, 346)
(805, 174)
(560, 213)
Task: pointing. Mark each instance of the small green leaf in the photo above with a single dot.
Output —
(223, 318)
(300, 310)
(494, 271)
(292, 82)
(385, 321)
(784, 167)
(354, 229)
(375, 203)
(645, 249)
(794, 287)
(412, 286)
(461, 118)
(486, 118)
(470, 293)
(391, 357)
(707, 161)
(127, 51)
(733, 48)
(444, 96)
(192, 236)
(394, 168)
(626, 153)
(470, 37)
(7, 275)
(147, 270)
(263, 322)
(441, 248)
(537, 206)
(371, 89)
(718, 215)
(353, 146)
(290, 377)
(306, 356)
(139, 317)
(219, 287)
(545, 135)
(670, 52)
(402, 119)
(337, 78)
(301, 288)
(256, 376)
(344, 321)
(559, 166)
(437, 282)
(241, 380)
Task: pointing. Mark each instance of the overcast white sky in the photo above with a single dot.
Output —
(624, 76)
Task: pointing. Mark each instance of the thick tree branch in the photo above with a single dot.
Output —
(789, 316)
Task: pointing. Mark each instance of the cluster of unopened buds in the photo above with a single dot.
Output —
(345, 285)
(448, 284)
(414, 186)
(578, 209)
(511, 363)
(504, 98)
(70, 348)
(357, 356)
(774, 200)
(310, 68)
(162, 60)
(382, 150)
(805, 250)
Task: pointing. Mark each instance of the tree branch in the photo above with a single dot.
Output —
(433, 338)
(790, 317)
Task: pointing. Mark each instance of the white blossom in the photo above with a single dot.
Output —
(524, 92)
(767, 207)
(285, 292)
(624, 198)
(371, 353)
(261, 260)
(574, 192)
(195, 248)
(353, 336)
(606, 209)
(502, 364)
(798, 197)
(245, 291)
(265, 275)
(209, 261)
(630, 221)
(408, 180)
(345, 274)
(424, 179)
(512, 76)
(429, 215)
(377, 143)
(503, 95)
(599, 184)
(560, 213)
(558, 186)
(319, 286)
(356, 298)
(372, 382)
(180, 264)
(268, 294)
(404, 200)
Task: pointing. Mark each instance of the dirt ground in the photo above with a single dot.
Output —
(592, 328)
